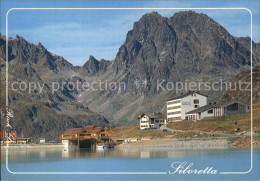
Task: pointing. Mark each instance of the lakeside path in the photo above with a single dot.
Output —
(213, 140)
(219, 133)
(174, 143)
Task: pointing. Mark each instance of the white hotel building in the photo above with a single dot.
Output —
(178, 106)
(154, 121)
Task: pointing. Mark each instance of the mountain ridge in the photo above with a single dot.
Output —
(187, 46)
(41, 114)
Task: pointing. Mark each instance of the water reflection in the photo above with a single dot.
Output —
(65, 153)
(145, 154)
(56, 154)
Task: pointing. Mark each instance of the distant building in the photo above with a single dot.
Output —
(8, 136)
(23, 140)
(5, 133)
(178, 106)
(88, 136)
(221, 109)
(145, 122)
(155, 121)
(88, 132)
(41, 140)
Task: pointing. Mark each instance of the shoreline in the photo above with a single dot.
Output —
(32, 146)
(188, 144)
(176, 144)
(163, 143)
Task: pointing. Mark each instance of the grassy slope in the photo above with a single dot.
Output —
(216, 124)
(224, 124)
(135, 132)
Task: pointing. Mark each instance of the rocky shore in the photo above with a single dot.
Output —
(170, 143)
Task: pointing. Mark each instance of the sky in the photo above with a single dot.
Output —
(77, 34)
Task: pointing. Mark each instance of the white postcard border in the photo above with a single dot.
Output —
(128, 173)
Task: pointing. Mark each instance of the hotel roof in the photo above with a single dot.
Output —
(210, 106)
(156, 116)
(202, 109)
(184, 95)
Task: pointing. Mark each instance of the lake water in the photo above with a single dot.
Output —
(150, 164)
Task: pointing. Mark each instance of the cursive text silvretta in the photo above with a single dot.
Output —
(185, 168)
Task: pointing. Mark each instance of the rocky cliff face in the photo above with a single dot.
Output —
(244, 94)
(93, 66)
(40, 111)
(185, 47)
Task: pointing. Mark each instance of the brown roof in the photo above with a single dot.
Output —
(73, 131)
(92, 129)
(88, 128)
(96, 130)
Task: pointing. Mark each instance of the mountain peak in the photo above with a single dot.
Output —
(92, 58)
(93, 65)
(40, 46)
(188, 13)
(152, 16)
(17, 37)
(198, 27)
(192, 18)
(91, 61)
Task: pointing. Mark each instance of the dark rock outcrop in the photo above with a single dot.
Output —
(93, 66)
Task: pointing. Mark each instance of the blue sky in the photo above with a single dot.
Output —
(76, 34)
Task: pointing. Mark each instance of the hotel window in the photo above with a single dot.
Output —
(196, 101)
(196, 106)
(173, 102)
(173, 113)
(175, 107)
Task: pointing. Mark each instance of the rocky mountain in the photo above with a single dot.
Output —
(93, 66)
(183, 46)
(187, 47)
(40, 111)
(244, 93)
